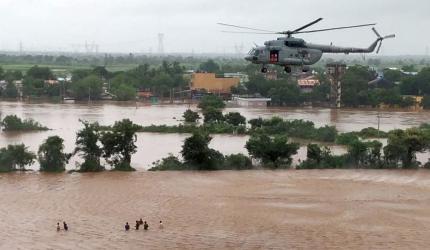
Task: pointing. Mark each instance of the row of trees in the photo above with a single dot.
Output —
(197, 155)
(276, 152)
(400, 152)
(89, 83)
(116, 144)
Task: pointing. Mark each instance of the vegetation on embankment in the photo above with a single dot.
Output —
(275, 152)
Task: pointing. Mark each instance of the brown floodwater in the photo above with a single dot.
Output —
(333, 209)
(63, 119)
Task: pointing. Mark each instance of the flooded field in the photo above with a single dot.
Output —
(63, 119)
(220, 210)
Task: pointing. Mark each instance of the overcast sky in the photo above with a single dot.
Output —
(190, 25)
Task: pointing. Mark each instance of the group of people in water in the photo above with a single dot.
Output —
(65, 226)
(127, 226)
(141, 222)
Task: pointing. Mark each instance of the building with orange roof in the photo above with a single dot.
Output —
(212, 83)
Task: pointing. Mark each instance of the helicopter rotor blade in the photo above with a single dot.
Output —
(243, 27)
(245, 32)
(376, 32)
(379, 47)
(390, 36)
(306, 26)
(338, 28)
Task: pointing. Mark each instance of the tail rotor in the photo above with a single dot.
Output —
(381, 38)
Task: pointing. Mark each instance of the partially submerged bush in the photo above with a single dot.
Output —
(237, 162)
(346, 138)
(14, 123)
(15, 157)
(170, 163)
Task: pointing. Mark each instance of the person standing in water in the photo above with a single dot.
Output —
(141, 221)
(127, 226)
(137, 225)
(161, 225)
(145, 226)
(66, 228)
(58, 226)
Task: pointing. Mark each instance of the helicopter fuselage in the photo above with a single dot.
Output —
(290, 51)
(285, 52)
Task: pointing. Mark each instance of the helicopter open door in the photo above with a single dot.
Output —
(274, 56)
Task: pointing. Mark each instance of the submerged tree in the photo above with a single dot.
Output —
(51, 155)
(87, 143)
(119, 144)
(276, 150)
(235, 119)
(191, 116)
(403, 145)
(14, 123)
(196, 152)
(212, 115)
(15, 157)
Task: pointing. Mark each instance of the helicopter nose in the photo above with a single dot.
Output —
(251, 58)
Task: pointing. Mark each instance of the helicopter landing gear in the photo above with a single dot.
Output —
(288, 69)
(264, 70)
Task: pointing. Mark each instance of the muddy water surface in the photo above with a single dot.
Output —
(220, 210)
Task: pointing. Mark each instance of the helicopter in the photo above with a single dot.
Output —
(289, 51)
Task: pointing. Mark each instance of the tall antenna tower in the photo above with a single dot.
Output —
(161, 43)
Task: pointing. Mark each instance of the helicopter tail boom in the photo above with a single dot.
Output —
(348, 50)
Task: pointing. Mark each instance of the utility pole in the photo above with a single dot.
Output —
(379, 121)
(379, 116)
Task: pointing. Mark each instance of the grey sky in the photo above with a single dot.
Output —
(133, 25)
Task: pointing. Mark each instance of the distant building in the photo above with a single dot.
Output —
(243, 77)
(307, 84)
(51, 82)
(213, 84)
(252, 102)
(144, 94)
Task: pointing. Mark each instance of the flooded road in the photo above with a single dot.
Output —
(351, 209)
(63, 119)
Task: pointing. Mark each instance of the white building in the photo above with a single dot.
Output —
(252, 102)
(243, 77)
